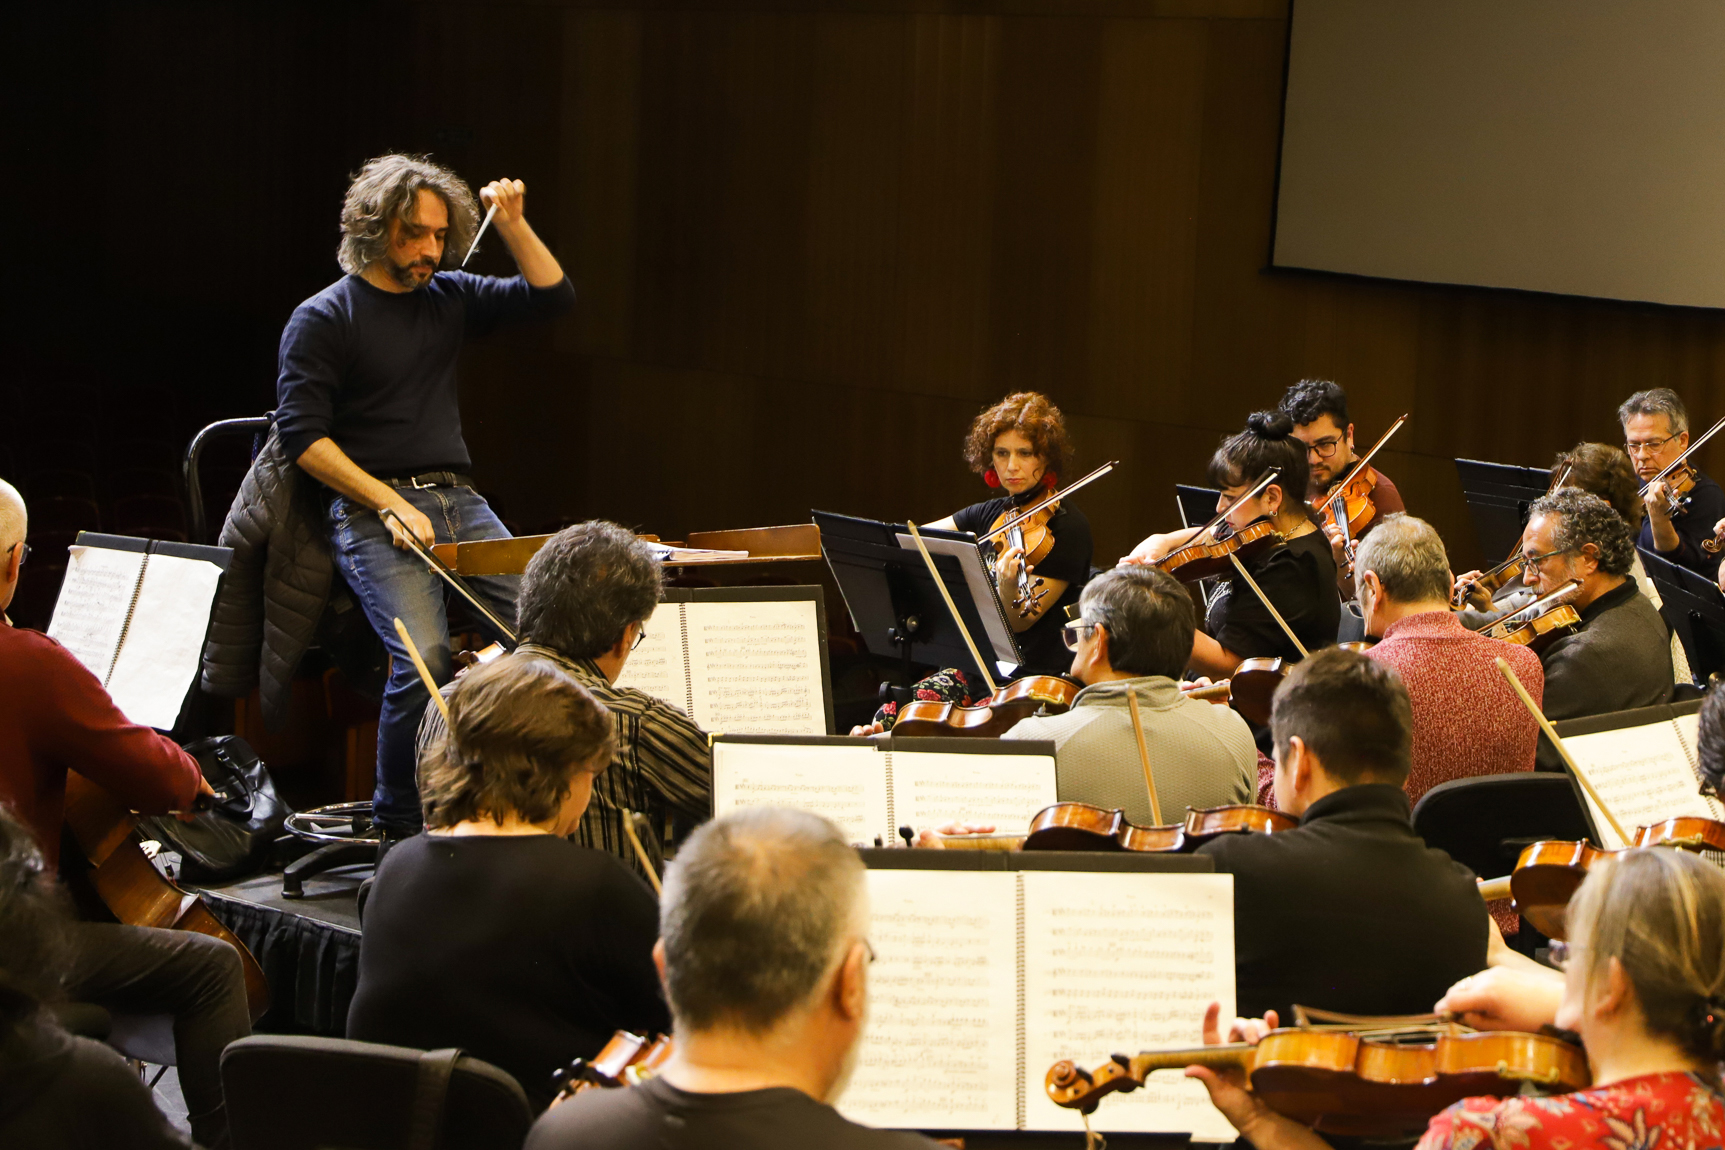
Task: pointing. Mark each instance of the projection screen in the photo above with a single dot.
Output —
(1572, 146)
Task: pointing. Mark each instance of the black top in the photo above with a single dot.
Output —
(1620, 658)
(63, 1093)
(1349, 912)
(1300, 579)
(1695, 525)
(375, 370)
(1068, 559)
(526, 951)
(659, 1115)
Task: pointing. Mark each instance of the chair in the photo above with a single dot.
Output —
(288, 1092)
(1484, 822)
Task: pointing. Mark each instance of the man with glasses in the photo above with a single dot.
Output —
(1133, 637)
(1319, 409)
(585, 600)
(1620, 657)
(1655, 433)
(764, 954)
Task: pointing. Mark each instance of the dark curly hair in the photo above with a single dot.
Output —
(388, 188)
(1267, 443)
(1032, 415)
(585, 586)
(34, 912)
(1606, 472)
(1582, 518)
(1310, 398)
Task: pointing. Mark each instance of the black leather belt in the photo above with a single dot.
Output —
(430, 479)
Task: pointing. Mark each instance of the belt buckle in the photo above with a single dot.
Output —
(418, 486)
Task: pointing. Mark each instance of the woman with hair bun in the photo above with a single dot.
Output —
(1298, 576)
(1643, 986)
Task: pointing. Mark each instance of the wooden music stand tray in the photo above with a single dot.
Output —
(792, 543)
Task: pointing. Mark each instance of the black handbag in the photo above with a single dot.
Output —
(233, 837)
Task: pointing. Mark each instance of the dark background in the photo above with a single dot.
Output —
(811, 240)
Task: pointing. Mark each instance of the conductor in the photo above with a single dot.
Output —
(367, 405)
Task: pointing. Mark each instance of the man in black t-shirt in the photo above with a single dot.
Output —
(764, 960)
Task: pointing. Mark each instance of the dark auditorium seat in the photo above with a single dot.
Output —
(1484, 822)
(288, 1092)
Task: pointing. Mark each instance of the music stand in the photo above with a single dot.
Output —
(1498, 495)
(1694, 609)
(1197, 504)
(893, 600)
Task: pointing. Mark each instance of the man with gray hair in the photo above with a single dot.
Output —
(585, 600)
(1621, 655)
(1655, 433)
(1467, 720)
(764, 955)
(1133, 637)
(366, 405)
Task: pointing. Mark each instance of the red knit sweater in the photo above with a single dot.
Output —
(55, 717)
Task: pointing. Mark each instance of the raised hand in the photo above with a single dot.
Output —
(509, 197)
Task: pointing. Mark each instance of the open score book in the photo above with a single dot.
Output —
(1645, 773)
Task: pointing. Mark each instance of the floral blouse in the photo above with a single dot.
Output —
(1652, 1112)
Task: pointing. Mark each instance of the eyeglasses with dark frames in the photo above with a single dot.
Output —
(1324, 448)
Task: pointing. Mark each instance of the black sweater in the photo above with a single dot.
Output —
(525, 951)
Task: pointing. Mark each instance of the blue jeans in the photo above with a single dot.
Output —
(392, 584)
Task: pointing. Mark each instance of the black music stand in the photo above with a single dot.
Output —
(1694, 609)
(1197, 504)
(892, 598)
(1498, 494)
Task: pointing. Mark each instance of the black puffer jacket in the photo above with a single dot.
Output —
(277, 587)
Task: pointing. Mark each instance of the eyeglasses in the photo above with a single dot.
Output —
(1325, 447)
(1073, 634)
(1650, 446)
(639, 635)
(23, 550)
(1561, 953)
(1535, 560)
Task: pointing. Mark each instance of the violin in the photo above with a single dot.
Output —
(626, 1060)
(1548, 874)
(131, 887)
(1540, 623)
(1028, 531)
(1347, 506)
(1372, 1082)
(999, 713)
(1250, 690)
(1679, 478)
(1197, 560)
(1082, 827)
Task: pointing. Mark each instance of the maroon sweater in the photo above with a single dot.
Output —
(55, 717)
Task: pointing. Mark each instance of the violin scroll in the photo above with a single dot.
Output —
(1075, 1088)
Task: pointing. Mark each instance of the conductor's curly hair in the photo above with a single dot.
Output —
(1031, 415)
(388, 188)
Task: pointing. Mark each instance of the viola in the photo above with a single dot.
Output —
(626, 1060)
(1012, 703)
(1082, 827)
(131, 887)
(1249, 690)
(1548, 874)
(1198, 560)
(1373, 1082)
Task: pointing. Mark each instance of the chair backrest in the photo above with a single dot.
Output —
(289, 1092)
(1484, 822)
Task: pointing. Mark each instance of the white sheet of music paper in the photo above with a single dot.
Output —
(846, 784)
(755, 668)
(940, 1050)
(933, 788)
(95, 598)
(1125, 963)
(1643, 774)
(165, 642)
(657, 665)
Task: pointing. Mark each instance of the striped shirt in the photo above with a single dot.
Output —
(663, 768)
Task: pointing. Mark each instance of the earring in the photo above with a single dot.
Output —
(990, 478)
(1050, 480)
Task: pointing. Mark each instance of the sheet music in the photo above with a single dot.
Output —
(1643, 774)
(165, 642)
(930, 789)
(1125, 962)
(846, 784)
(94, 600)
(939, 1051)
(656, 666)
(755, 668)
(982, 593)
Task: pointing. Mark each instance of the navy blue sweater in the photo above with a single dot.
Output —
(375, 370)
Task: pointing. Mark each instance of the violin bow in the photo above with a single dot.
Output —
(424, 671)
(1234, 556)
(1562, 751)
(1264, 481)
(442, 569)
(1366, 459)
(1052, 497)
(940, 585)
(1678, 462)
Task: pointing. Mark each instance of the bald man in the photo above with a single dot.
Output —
(58, 717)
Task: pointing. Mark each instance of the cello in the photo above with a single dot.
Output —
(134, 891)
